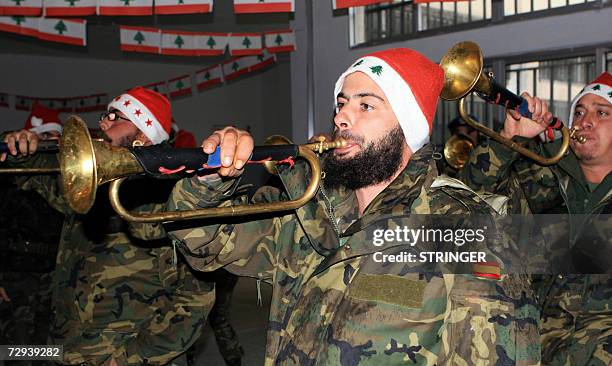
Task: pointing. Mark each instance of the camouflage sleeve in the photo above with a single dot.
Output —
(145, 231)
(495, 168)
(245, 248)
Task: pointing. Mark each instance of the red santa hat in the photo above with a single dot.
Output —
(148, 110)
(411, 83)
(601, 86)
(185, 138)
(43, 119)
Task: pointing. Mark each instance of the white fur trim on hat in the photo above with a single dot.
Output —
(602, 90)
(39, 126)
(141, 116)
(403, 103)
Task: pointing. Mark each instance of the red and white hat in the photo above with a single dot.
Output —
(148, 110)
(411, 83)
(43, 119)
(601, 86)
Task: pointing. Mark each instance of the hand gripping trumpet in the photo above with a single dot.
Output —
(85, 164)
(462, 66)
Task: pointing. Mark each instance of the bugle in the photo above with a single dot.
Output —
(86, 164)
(462, 66)
(51, 146)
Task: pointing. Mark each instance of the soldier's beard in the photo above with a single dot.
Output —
(377, 162)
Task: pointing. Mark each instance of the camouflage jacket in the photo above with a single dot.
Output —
(114, 295)
(333, 304)
(576, 309)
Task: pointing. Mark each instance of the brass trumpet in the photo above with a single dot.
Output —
(86, 164)
(462, 66)
(457, 150)
(43, 146)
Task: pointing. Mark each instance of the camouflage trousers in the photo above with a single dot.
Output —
(25, 319)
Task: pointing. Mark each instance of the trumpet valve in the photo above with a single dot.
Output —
(574, 135)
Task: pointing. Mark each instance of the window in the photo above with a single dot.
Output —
(514, 7)
(556, 81)
(401, 18)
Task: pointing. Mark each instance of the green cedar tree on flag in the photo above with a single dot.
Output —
(24, 103)
(179, 86)
(209, 77)
(342, 4)
(179, 43)
(69, 31)
(245, 44)
(280, 41)
(60, 8)
(235, 67)
(159, 87)
(19, 24)
(183, 6)
(125, 7)
(31, 8)
(140, 39)
(90, 103)
(212, 44)
(264, 6)
(4, 100)
(61, 104)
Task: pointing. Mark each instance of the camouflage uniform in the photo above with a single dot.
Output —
(116, 296)
(26, 264)
(576, 309)
(332, 304)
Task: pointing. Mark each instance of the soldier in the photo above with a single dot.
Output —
(28, 252)
(118, 300)
(332, 302)
(576, 309)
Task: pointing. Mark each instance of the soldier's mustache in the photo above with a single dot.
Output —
(359, 140)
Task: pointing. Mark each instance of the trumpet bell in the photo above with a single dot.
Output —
(457, 150)
(462, 66)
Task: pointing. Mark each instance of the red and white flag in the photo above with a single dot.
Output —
(125, 7)
(280, 41)
(31, 8)
(140, 39)
(61, 8)
(209, 77)
(341, 4)
(61, 104)
(244, 44)
(90, 103)
(4, 100)
(264, 6)
(19, 24)
(436, 1)
(159, 87)
(180, 86)
(212, 44)
(69, 31)
(235, 67)
(179, 43)
(183, 6)
(261, 61)
(24, 103)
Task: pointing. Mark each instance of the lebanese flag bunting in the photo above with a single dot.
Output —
(183, 6)
(140, 39)
(342, 4)
(159, 87)
(209, 77)
(436, 1)
(60, 104)
(61, 8)
(260, 61)
(90, 103)
(23, 103)
(20, 25)
(245, 44)
(69, 31)
(211, 44)
(29, 8)
(235, 68)
(280, 41)
(179, 43)
(180, 86)
(125, 7)
(4, 102)
(264, 6)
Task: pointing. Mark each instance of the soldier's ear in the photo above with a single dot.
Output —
(140, 136)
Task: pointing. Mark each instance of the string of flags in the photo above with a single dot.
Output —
(70, 8)
(68, 31)
(177, 87)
